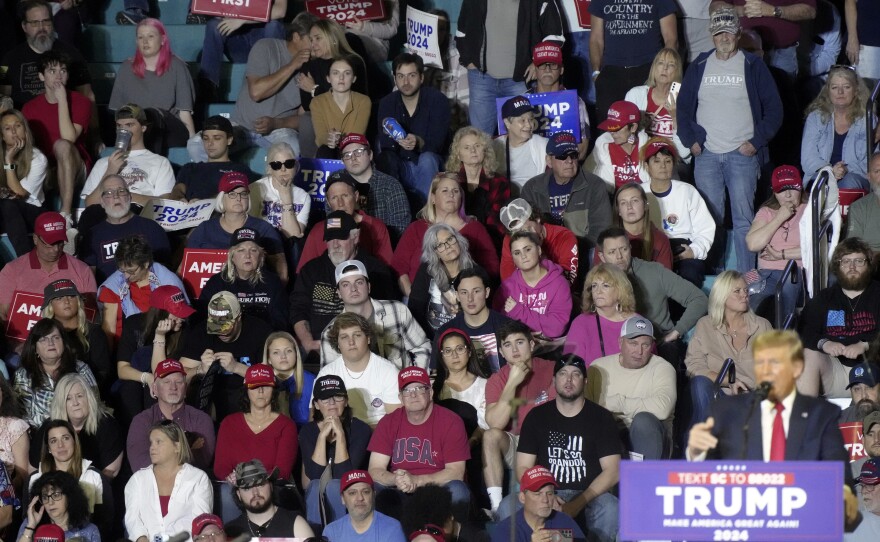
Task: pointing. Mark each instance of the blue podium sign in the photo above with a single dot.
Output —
(731, 501)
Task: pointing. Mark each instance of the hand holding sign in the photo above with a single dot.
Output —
(421, 36)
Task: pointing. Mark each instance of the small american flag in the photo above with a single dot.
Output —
(334, 223)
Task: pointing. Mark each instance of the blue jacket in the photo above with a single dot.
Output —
(766, 106)
(818, 142)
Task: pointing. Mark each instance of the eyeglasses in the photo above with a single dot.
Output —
(852, 262)
(41, 22)
(446, 245)
(458, 350)
(241, 195)
(357, 153)
(50, 339)
(289, 164)
(121, 193)
(549, 67)
(414, 391)
(332, 400)
(51, 497)
(220, 535)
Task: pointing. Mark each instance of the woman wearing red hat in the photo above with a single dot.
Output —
(258, 432)
(616, 154)
(775, 235)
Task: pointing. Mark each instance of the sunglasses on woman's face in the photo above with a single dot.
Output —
(289, 164)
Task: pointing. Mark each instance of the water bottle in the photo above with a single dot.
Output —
(393, 128)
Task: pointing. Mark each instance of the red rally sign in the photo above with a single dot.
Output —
(200, 264)
(852, 440)
(343, 11)
(26, 310)
(253, 10)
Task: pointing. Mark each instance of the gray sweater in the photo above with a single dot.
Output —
(654, 286)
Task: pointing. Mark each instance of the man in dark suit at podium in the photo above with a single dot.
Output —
(776, 425)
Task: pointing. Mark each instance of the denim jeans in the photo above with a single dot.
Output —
(414, 176)
(738, 174)
(579, 71)
(649, 436)
(791, 294)
(702, 394)
(334, 508)
(484, 89)
(244, 139)
(599, 520)
(784, 59)
(237, 45)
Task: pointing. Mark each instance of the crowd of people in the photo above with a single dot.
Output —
(466, 329)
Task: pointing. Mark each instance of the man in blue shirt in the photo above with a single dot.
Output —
(363, 522)
(537, 493)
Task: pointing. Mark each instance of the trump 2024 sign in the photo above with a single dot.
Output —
(731, 500)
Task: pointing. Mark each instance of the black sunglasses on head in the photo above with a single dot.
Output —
(289, 164)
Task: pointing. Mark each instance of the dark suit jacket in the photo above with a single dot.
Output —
(813, 433)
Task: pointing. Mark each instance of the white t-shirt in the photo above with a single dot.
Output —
(266, 203)
(33, 183)
(368, 391)
(146, 173)
(474, 396)
(527, 160)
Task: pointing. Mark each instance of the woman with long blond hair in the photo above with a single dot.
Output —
(21, 187)
(327, 42)
(282, 352)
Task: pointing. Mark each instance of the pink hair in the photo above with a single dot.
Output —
(138, 66)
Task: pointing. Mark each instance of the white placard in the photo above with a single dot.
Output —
(421, 36)
(175, 215)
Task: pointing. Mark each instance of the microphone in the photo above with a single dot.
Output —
(725, 369)
(760, 393)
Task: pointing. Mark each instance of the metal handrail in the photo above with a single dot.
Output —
(869, 120)
(825, 227)
(789, 321)
(791, 269)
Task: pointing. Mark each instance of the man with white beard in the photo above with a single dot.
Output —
(20, 68)
(98, 245)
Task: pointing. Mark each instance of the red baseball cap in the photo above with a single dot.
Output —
(232, 180)
(51, 227)
(49, 533)
(167, 367)
(259, 375)
(787, 178)
(203, 520)
(170, 298)
(352, 138)
(620, 114)
(657, 145)
(535, 478)
(431, 530)
(354, 477)
(412, 374)
(547, 52)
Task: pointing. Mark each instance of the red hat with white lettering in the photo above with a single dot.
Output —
(547, 52)
(786, 178)
(412, 374)
(49, 533)
(169, 298)
(351, 139)
(620, 114)
(355, 477)
(259, 375)
(167, 367)
(535, 478)
(51, 227)
(232, 180)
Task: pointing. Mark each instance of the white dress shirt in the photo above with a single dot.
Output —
(768, 415)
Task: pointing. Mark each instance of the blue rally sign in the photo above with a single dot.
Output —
(312, 176)
(731, 501)
(554, 112)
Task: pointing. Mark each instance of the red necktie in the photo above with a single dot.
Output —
(777, 442)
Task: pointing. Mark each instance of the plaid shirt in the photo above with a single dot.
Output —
(486, 201)
(37, 403)
(398, 336)
(387, 201)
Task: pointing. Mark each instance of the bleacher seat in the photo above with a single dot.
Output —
(178, 156)
(7, 253)
(103, 77)
(169, 11)
(224, 109)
